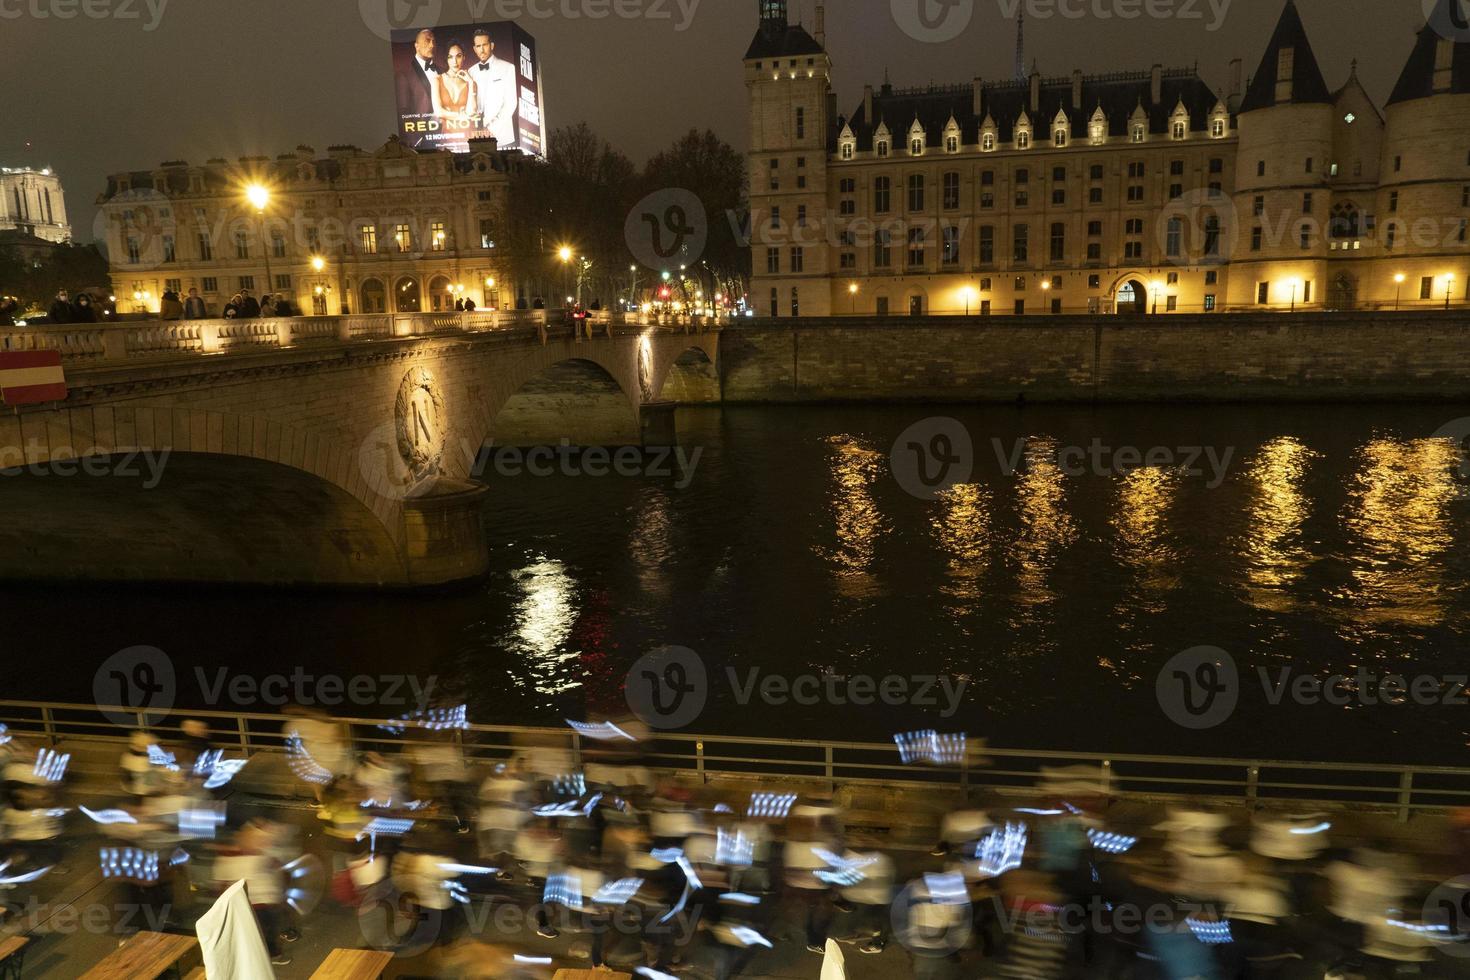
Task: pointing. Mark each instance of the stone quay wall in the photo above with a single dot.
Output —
(1409, 356)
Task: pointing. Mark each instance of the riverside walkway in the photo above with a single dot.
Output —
(74, 918)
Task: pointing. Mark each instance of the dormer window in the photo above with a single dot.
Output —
(1217, 129)
(882, 148)
(951, 144)
(1061, 137)
(987, 142)
(1139, 132)
(1023, 140)
(1181, 129)
(916, 146)
(1096, 133)
(847, 149)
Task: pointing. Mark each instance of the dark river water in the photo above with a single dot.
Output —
(1314, 540)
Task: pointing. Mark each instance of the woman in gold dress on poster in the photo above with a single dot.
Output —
(455, 97)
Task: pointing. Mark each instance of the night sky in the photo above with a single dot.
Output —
(231, 78)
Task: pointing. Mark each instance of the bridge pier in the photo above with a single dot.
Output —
(656, 425)
(444, 533)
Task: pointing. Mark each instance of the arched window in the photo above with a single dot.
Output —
(1345, 222)
(1023, 140)
(987, 142)
(374, 297)
(1061, 139)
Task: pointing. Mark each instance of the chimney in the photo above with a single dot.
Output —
(979, 98)
(1076, 89)
(1035, 92)
(821, 35)
(1156, 85)
(868, 104)
(1235, 89)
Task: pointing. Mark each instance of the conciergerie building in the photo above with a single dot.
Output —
(1128, 192)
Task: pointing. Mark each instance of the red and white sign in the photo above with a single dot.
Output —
(31, 377)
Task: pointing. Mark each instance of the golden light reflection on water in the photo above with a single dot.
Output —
(1272, 550)
(546, 611)
(858, 523)
(962, 524)
(1047, 527)
(651, 545)
(1399, 524)
(1143, 541)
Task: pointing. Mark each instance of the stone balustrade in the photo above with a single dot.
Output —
(134, 340)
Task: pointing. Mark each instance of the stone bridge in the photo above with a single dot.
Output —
(334, 451)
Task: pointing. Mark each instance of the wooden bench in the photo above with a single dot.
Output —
(12, 956)
(353, 964)
(147, 956)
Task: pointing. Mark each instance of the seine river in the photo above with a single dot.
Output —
(1054, 585)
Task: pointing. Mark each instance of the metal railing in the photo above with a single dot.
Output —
(124, 341)
(1402, 789)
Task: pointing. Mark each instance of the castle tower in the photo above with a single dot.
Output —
(1283, 176)
(788, 82)
(1424, 147)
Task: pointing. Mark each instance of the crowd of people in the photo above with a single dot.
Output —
(490, 865)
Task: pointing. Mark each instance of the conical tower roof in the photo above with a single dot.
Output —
(1307, 84)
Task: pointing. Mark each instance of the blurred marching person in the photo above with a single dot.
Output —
(323, 743)
(439, 763)
(250, 861)
(504, 810)
(421, 875)
(810, 831)
(169, 306)
(139, 776)
(194, 308)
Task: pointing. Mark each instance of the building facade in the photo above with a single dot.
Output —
(1130, 192)
(32, 203)
(393, 230)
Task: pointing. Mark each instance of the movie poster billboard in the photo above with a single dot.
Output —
(471, 81)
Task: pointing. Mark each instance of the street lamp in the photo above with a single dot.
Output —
(969, 295)
(1295, 284)
(1399, 291)
(1157, 287)
(852, 290)
(1449, 284)
(259, 197)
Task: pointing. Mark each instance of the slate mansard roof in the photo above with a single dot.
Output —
(1118, 94)
(1417, 80)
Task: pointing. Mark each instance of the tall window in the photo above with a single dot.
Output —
(368, 240)
(1058, 242)
(168, 249)
(951, 245)
(438, 237)
(1022, 243)
(1174, 238)
(278, 247)
(916, 192)
(487, 233)
(773, 261)
(242, 246)
(1212, 236)
(798, 259)
(206, 247)
(882, 195)
(987, 244)
(402, 237)
(882, 248)
(916, 246)
(800, 123)
(951, 191)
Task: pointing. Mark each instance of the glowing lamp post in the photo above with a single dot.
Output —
(1295, 284)
(1449, 284)
(1398, 290)
(259, 198)
(852, 291)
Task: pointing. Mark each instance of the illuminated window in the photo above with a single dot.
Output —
(368, 240)
(403, 238)
(437, 236)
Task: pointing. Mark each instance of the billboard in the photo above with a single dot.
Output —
(471, 81)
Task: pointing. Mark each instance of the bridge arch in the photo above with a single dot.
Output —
(580, 393)
(687, 374)
(211, 483)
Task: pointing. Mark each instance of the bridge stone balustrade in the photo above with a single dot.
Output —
(336, 451)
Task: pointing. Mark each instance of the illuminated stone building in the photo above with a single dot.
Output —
(351, 232)
(1128, 192)
(32, 203)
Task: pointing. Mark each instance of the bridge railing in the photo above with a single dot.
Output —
(121, 341)
(1302, 785)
